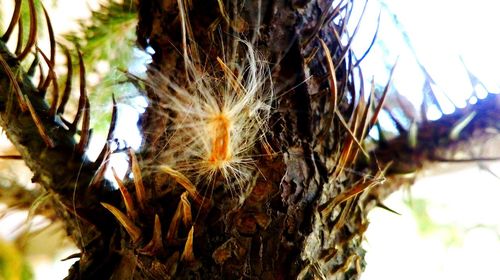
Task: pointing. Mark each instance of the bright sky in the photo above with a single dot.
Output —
(461, 239)
(440, 34)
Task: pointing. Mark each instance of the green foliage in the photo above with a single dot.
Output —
(5, 17)
(450, 233)
(110, 34)
(107, 39)
(12, 264)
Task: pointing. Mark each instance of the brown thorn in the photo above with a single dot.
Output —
(13, 21)
(39, 125)
(372, 43)
(333, 88)
(358, 24)
(184, 182)
(41, 77)
(156, 244)
(72, 256)
(81, 101)
(34, 64)
(350, 133)
(13, 80)
(359, 187)
(127, 198)
(187, 217)
(344, 213)
(363, 121)
(103, 166)
(331, 71)
(111, 129)
(384, 95)
(20, 32)
(174, 224)
(134, 231)
(51, 37)
(32, 34)
(85, 134)
(67, 85)
(476, 159)
(383, 206)
(51, 77)
(188, 253)
(140, 191)
(11, 157)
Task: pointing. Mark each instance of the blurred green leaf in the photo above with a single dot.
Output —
(107, 42)
(450, 234)
(12, 264)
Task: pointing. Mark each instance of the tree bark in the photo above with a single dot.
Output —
(279, 232)
(304, 214)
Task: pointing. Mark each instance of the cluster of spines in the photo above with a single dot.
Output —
(58, 102)
(137, 210)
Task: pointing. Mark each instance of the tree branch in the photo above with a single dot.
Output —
(439, 140)
(60, 169)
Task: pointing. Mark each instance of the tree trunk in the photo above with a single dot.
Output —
(299, 209)
(290, 224)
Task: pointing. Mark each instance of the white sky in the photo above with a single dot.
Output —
(442, 33)
(464, 203)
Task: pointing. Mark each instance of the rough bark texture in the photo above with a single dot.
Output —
(306, 212)
(278, 232)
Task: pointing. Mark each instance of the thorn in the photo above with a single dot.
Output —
(187, 217)
(15, 19)
(134, 231)
(333, 89)
(34, 64)
(171, 265)
(11, 157)
(140, 191)
(81, 101)
(67, 85)
(460, 125)
(51, 37)
(358, 187)
(41, 77)
(103, 166)
(127, 199)
(372, 43)
(184, 182)
(384, 95)
(111, 130)
(51, 77)
(383, 206)
(347, 47)
(13, 80)
(39, 124)
(331, 77)
(85, 134)
(32, 34)
(20, 32)
(156, 244)
(351, 134)
(174, 224)
(188, 253)
(413, 135)
(72, 256)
